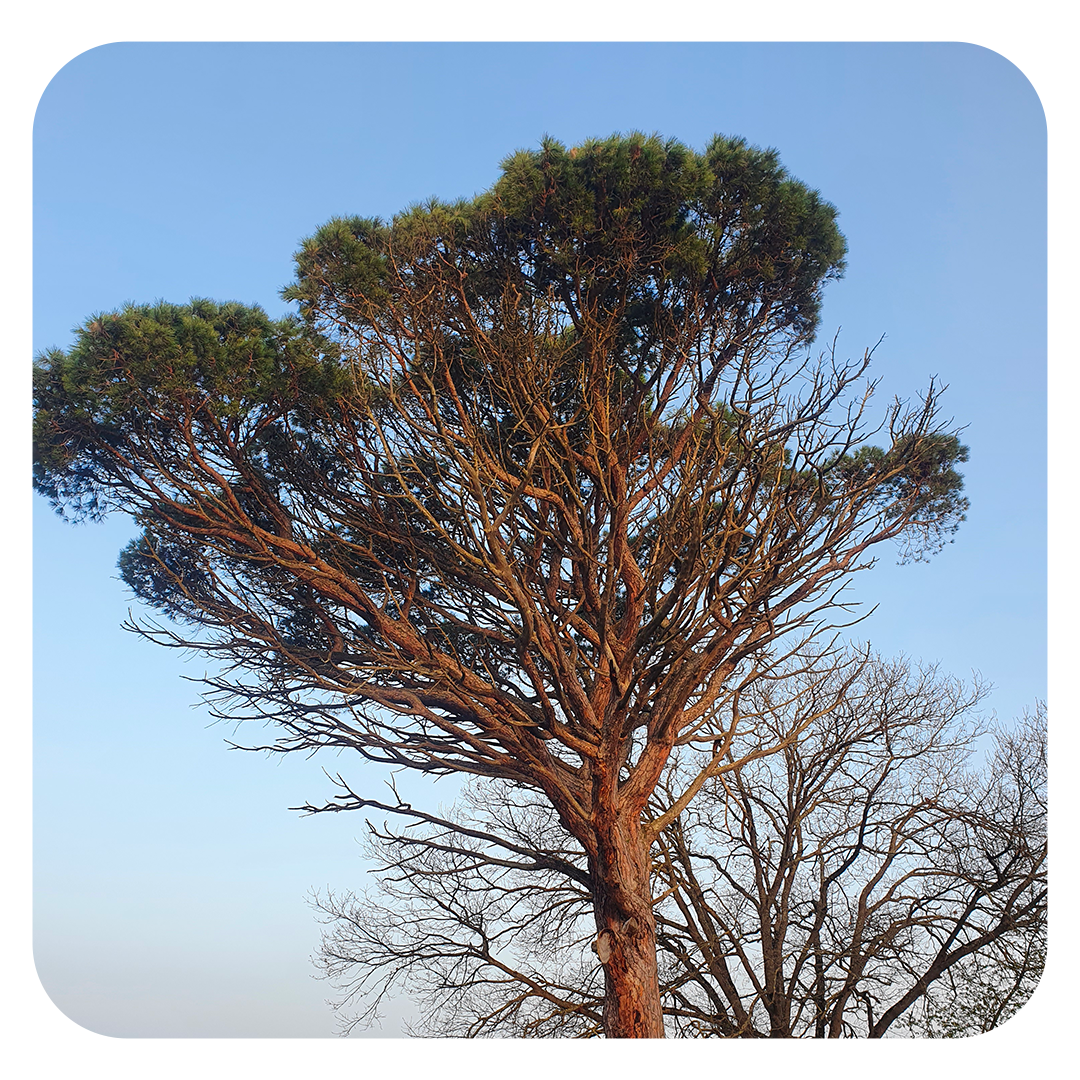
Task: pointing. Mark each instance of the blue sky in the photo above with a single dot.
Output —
(169, 875)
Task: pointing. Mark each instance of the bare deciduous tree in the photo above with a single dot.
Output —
(535, 492)
(867, 881)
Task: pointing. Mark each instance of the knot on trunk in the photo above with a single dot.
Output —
(605, 941)
(603, 945)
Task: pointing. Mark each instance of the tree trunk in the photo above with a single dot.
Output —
(626, 934)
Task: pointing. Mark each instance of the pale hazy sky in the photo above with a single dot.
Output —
(170, 877)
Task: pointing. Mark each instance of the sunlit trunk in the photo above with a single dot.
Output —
(626, 935)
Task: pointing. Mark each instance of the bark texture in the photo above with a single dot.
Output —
(626, 935)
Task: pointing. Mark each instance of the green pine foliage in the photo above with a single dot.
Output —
(134, 373)
(529, 487)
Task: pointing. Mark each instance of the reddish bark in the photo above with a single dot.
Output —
(626, 934)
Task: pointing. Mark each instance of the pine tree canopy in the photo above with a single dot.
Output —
(531, 488)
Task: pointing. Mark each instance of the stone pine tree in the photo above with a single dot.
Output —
(533, 488)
